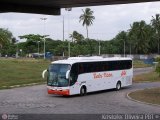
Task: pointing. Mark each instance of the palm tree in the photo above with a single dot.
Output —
(156, 25)
(76, 37)
(87, 18)
(73, 35)
(139, 32)
(121, 42)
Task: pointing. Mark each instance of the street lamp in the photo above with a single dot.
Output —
(21, 51)
(130, 49)
(44, 19)
(63, 28)
(63, 36)
(68, 9)
(38, 47)
(17, 49)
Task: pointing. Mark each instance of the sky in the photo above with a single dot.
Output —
(109, 21)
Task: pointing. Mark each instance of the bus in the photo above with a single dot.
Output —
(81, 75)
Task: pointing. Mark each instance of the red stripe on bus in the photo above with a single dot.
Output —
(58, 92)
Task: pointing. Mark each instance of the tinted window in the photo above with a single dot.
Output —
(88, 67)
(74, 73)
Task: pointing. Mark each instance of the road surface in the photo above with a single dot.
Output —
(139, 71)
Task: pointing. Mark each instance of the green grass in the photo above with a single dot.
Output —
(21, 71)
(140, 64)
(147, 77)
(147, 95)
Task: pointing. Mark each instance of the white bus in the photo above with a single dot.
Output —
(80, 75)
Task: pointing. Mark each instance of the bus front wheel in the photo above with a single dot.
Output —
(118, 85)
(83, 91)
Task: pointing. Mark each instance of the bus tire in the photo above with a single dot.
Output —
(118, 85)
(83, 91)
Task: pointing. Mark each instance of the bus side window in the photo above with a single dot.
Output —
(105, 66)
(73, 74)
(130, 64)
(121, 65)
(98, 67)
(111, 65)
(102, 66)
(91, 66)
(81, 69)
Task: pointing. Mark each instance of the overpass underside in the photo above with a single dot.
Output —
(52, 7)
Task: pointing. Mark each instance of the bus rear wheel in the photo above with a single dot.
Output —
(118, 85)
(83, 91)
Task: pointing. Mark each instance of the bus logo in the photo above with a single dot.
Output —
(102, 75)
(123, 73)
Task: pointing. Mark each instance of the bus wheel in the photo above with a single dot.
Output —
(83, 91)
(118, 85)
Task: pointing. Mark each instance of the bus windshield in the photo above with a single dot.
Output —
(57, 75)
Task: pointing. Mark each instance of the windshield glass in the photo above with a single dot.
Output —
(57, 75)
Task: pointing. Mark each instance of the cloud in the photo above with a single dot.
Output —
(110, 20)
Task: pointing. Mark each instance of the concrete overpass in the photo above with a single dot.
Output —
(52, 7)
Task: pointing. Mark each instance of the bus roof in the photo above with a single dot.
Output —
(73, 60)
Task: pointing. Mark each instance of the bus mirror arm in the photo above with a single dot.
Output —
(43, 74)
(67, 74)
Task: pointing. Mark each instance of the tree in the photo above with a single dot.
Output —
(121, 39)
(156, 25)
(87, 18)
(5, 36)
(140, 37)
(5, 42)
(76, 37)
(14, 40)
(32, 37)
(32, 42)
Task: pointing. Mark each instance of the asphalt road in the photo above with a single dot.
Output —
(138, 71)
(35, 100)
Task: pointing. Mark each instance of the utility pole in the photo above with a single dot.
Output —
(63, 36)
(17, 51)
(68, 9)
(130, 50)
(63, 28)
(38, 47)
(44, 49)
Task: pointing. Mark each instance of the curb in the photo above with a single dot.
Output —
(128, 97)
(23, 85)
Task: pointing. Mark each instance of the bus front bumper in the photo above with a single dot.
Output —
(58, 91)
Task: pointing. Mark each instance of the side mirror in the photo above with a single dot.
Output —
(67, 74)
(43, 74)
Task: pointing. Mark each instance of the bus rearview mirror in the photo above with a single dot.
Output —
(67, 74)
(43, 74)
